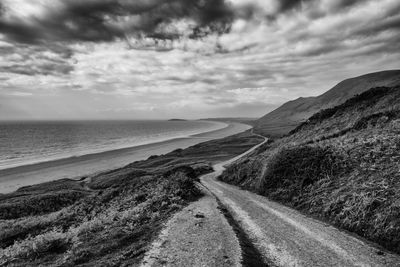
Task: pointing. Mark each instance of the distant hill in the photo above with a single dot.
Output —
(177, 120)
(291, 114)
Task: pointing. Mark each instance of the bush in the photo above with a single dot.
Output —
(40, 204)
(244, 173)
(184, 186)
(53, 242)
(376, 118)
(290, 170)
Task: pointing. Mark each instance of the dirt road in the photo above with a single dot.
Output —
(201, 236)
(285, 237)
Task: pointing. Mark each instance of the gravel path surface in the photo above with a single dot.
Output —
(200, 235)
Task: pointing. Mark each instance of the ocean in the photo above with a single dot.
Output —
(28, 142)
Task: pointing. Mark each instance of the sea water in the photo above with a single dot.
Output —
(29, 142)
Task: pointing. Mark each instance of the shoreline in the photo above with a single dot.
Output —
(222, 125)
(79, 166)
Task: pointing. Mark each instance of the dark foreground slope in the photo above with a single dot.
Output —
(290, 114)
(342, 166)
(109, 219)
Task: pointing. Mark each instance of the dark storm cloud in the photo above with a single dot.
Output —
(342, 4)
(286, 5)
(105, 20)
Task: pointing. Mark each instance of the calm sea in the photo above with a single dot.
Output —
(31, 142)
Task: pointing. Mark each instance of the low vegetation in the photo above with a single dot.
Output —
(368, 98)
(113, 226)
(342, 166)
(291, 170)
(109, 219)
(41, 203)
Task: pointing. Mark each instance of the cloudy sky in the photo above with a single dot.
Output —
(135, 59)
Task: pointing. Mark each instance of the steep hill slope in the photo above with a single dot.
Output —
(290, 114)
(342, 166)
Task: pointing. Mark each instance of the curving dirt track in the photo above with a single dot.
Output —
(283, 236)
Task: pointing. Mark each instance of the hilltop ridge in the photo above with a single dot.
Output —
(291, 114)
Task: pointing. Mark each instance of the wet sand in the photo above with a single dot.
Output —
(76, 167)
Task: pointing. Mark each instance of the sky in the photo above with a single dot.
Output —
(160, 59)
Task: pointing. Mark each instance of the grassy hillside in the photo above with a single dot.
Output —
(109, 219)
(287, 117)
(342, 165)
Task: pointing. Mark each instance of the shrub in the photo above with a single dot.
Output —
(153, 157)
(290, 170)
(40, 204)
(244, 173)
(376, 118)
(184, 186)
(52, 242)
(13, 230)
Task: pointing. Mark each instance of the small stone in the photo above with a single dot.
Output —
(199, 215)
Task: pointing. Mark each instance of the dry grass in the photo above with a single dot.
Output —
(35, 204)
(342, 166)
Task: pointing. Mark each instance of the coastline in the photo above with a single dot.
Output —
(217, 125)
(77, 167)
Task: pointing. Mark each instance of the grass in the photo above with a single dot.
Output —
(39, 204)
(366, 99)
(376, 119)
(341, 166)
(108, 219)
(290, 170)
(52, 242)
(117, 221)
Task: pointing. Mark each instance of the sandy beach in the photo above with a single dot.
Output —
(76, 167)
